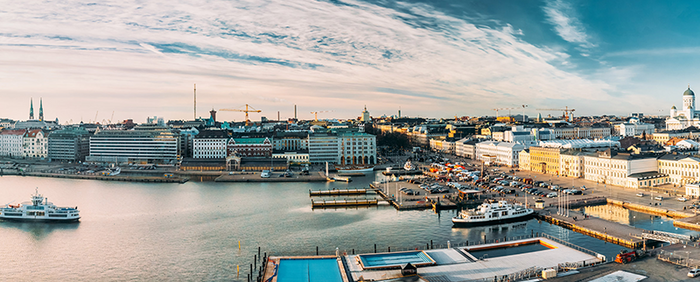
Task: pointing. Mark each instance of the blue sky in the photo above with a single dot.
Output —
(428, 58)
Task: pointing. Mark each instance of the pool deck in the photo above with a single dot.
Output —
(270, 274)
(452, 264)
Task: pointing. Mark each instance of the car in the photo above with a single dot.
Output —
(551, 195)
(681, 199)
(694, 272)
(640, 194)
(659, 198)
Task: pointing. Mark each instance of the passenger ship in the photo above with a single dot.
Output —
(492, 213)
(39, 209)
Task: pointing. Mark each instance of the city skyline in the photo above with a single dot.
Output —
(429, 59)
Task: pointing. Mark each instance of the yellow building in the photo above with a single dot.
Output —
(571, 163)
(681, 169)
(545, 160)
(524, 159)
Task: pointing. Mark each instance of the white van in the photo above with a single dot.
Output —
(659, 198)
(265, 174)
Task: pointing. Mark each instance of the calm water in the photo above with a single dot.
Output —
(136, 231)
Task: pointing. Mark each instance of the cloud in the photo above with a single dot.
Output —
(562, 16)
(141, 58)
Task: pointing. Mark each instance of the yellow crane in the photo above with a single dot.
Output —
(248, 109)
(567, 112)
(316, 114)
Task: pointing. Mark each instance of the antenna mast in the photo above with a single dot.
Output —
(195, 101)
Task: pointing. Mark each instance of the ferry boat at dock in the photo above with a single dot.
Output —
(39, 209)
(492, 213)
(354, 169)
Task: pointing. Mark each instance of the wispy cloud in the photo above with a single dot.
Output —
(567, 25)
(141, 58)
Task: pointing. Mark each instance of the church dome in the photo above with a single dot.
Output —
(673, 108)
(689, 92)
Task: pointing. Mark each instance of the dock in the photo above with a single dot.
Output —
(343, 203)
(255, 177)
(338, 192)
(435, 202)
(613, 232)
(152, 179)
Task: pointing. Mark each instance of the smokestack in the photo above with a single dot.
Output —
(295, 111)
(195, 101)
(278, 115)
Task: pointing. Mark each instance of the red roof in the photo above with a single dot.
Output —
(13, 132)
(33, 133)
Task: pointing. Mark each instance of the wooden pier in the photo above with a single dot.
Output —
(338, 192)
(343, 203)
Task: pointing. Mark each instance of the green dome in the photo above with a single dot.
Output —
(673, 108)
(689, 92)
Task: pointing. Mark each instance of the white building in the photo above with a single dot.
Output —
(634, 128)
(502, 153)
(134, 146)
(692, 190)
(686, 117)
(293, 157)
(323, 147)
(623, 170)
(519, 135)
(35, 144)
(466, 148)
(209, 144)
(357, 148)
(571, 163)
(11, 142)
(681, 169)
(524, 159)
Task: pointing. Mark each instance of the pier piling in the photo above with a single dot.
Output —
(316, 250)
(375, 248)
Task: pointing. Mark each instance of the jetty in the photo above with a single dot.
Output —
(126, 178)
(343, 203)
(338, 192)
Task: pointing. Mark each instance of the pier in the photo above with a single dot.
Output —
(343, 203)
(613, 232)
(120, 177)
(338, 192)
(255, 177)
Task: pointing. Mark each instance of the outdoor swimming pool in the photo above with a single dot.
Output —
(501, 251)
(395, 260)
(309, 270)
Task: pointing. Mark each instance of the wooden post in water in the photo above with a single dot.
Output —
(316, 250)
(375, 248)
(258, 252)
(388, 249)
(431, 244)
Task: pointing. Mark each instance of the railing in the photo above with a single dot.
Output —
(678, 258)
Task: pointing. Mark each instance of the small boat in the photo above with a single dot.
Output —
(39, 209)
(409, 166)
(354, 169)
(492, 213)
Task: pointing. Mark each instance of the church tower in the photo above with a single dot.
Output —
(689, 103)
(41, 109)
(31, 108)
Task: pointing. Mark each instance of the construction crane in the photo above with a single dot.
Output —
(316, 114)
(502, 109)
(567, 112)
(248, 109)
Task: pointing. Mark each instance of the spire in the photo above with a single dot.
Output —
(31, 108)
(41, 109)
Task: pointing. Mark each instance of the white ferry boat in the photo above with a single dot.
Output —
(492, 213)
(39, 209)
(354, 169)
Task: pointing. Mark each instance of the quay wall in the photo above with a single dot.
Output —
(593, 233)
(651, 210)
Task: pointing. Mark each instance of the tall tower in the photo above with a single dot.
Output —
(31, 108)
(41, 109)
(365, 115)
(195, 101)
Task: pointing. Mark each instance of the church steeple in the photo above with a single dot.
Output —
(31, 108)
(41, 109)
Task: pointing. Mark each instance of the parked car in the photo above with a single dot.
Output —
(551, 195)
(694, 272)
(681, 199)
(659, 198)
(640, 194)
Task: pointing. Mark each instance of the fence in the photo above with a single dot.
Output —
(679, 258)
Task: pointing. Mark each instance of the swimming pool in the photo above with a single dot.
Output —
(309, 270)
(509, 249)
(394, 260)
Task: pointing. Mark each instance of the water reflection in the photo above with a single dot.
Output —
(39, 230)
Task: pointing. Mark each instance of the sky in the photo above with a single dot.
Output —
(126, 59)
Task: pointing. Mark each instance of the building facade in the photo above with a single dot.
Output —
(500, 153)
(249, 147)
(681, 169)
(357, 148)
(35, 144)
(545, 160)
(134, 146)
(622, 169)
(11, 142)
(70, 144)
(323, 147)
(210, 144)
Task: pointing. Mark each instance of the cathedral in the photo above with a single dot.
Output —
(681, 119)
